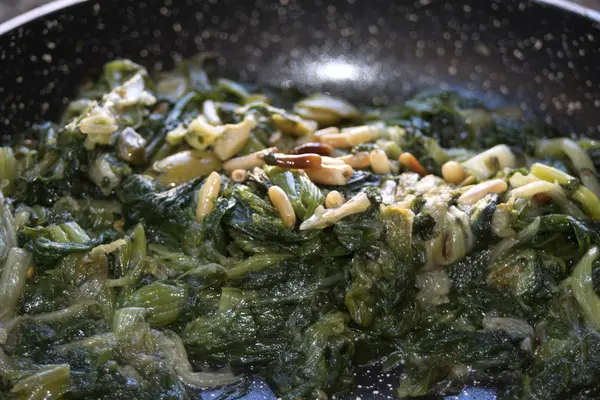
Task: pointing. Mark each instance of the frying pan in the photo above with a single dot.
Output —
(542, 55)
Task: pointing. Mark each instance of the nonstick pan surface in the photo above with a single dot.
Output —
(543, 56)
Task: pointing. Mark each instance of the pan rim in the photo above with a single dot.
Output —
(569, 5)
(43, 10)
(36, 13)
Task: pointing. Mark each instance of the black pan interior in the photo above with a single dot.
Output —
(376, 51)
(379, 51)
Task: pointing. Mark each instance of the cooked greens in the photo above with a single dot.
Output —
(178, 233)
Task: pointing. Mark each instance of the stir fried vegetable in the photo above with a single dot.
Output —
(180, 233)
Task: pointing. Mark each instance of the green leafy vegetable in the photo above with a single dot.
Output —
(162, 302)
(124, 273)
(581, 283)
(304, 195)
(12, 280)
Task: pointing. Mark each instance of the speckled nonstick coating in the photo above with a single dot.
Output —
(540, 56)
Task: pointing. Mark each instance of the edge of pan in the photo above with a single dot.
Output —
(20, 20)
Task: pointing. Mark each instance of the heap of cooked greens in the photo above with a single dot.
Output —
(176, 234)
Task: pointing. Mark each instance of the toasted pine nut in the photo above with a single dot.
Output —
(360, 160)
(334, 199)
(336, 140)
(361, 134)
(336, 175)
(312, 147)
(208, 193)
(248, 161)
(350, 137)
(239, 175)
(332, 161)
(411, 162)
(283, 205)
(388, 191)
(332, 129)
(478, 192)
(30, 272)
(453, 172)
(300, 161)
(380, 164)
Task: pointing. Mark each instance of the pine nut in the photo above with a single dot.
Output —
(380, 164)
(334, 199)
(453, 172)
(239, 175)
(360, 160)
(478, 192)
(331, 161)
(350, 137)
(336, 140)
(282, 205)
(411, 162)
(358, 204)
(248, 161)
(335, 175)
(300, 161)
(361, 134)
(317, 135)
